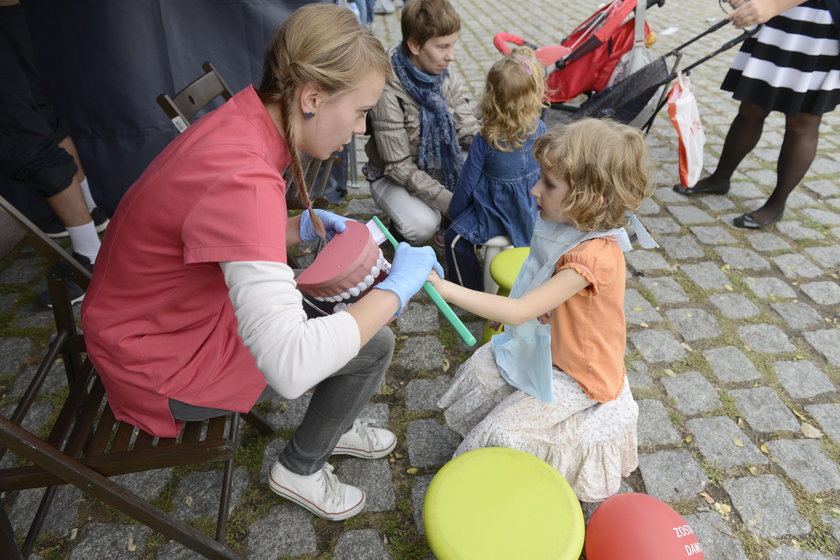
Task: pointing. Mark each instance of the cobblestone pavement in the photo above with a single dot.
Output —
(733, 356)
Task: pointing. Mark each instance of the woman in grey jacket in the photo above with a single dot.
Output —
(421, 125)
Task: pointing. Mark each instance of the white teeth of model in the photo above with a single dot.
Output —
(368, 280)
(319, 298)
(332, 299)
(354, 291)
(362, 286)
(340, 307)
(342, 296)
(374, 271)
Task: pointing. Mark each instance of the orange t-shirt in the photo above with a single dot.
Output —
(588, 331)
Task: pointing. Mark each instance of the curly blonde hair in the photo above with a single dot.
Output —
(323, 44)
(512, 100)
(605, 165)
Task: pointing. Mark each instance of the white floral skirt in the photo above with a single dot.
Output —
(592, 444)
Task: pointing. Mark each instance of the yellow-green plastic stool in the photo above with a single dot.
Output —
(497, 503)
(504, 268)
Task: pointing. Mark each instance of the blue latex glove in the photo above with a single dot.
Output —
(409, 272)
(333, 223)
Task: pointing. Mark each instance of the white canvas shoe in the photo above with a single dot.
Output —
(321, 493)
(365, 441)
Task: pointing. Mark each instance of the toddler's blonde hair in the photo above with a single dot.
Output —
(512, 100)
(604, 163)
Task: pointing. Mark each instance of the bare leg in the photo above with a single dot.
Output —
(798, 150)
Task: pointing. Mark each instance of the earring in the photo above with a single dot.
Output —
(308, 115)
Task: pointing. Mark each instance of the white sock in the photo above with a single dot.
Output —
(85, 240)
(86, 194)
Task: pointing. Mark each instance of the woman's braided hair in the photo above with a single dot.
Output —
(322, 44)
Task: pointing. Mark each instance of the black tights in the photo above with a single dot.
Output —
(798, 150)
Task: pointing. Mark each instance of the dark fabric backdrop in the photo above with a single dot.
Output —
(103, 63)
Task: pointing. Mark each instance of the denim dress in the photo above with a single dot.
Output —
(493, 197)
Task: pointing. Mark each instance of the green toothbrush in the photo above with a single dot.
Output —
(441, 304)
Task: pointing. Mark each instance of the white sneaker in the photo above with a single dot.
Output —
(365, 441)
(321, 493)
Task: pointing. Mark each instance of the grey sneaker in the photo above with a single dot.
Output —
(321, 493)
(365, 441)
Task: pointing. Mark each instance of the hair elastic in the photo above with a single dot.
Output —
(308, 115)
(524, 63)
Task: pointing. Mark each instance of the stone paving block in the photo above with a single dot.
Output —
(827, 343)
(648, 207)
(828, 257)
(665, 289)
(825, 189)
(795, 553)
(764, 242)
(286, 530)
(657, 346)
(654, 426)
(270, 453)
(763, 410)
(766, 506)
(828, 417)
(197, 494)
(61, 515)
(644, 261)
(823, 293)
(706, 275)
(802, 379)
(795, 230)
(13, 351)
(361, 207)
(765, 338)
(54, 382)
(798, 315)
(430, 443)
(637, 375)
(423, 394)
(717, 203)
(730, 364)
(418, 494)
(672, 475)
(372, 476)
(723, 443)
(288, 414)
(734, 306)
(421, 352)
(667, 194)
(101, 541)
(688, 215)
(146, 484)
(680, 248)
(638, 310)
(770, 288)
(694, 324)
(803, 461)
(361, 544)
(796, 266)
(176, 551)
(658, 226)
(823, 217)
(692, 393)
(417, 318)
(22, 271)
(742, 259)
(717, 538)
(712, 235)
(833, 523)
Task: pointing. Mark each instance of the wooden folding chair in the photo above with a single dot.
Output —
(86, 444)
(197, 95)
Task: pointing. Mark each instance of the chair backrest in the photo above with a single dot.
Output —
(189, 101)
(86, 443)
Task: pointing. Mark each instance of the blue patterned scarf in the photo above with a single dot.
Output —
(439, 154)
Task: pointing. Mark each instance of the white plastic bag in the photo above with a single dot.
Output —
(682, 108)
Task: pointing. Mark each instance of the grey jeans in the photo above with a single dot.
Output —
(335, 404)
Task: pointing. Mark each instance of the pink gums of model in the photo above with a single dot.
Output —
(349, 265)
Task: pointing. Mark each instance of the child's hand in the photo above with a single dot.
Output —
(544, 318)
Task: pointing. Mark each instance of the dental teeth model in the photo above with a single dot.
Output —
(349, 265)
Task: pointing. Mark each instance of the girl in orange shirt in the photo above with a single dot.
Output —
(553, 383)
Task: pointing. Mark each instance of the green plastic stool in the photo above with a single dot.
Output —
(504, 268)
(496, 503)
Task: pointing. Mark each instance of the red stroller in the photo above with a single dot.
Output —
(584, 61)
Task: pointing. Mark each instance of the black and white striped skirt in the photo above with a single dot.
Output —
(792, 64)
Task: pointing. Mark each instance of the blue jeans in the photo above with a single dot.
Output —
(335, 404)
